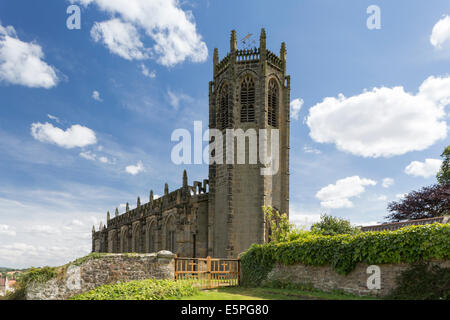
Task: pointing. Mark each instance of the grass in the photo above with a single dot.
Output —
(242, 293)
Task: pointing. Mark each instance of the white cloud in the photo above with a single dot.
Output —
(88, 155)
(176, 98)
(436, 89)
(146, 72)
(425, 169)
(44, 229)
(24, 255)
(7, 230)
(381, 198)
(383, 122)
(75, 136)
(309, 149)
(387, 182)
(120, 38)
(441, 32)
(134, 170)
(296, 105)
(56, 119)
(57, 225)
(21, 62)
(83, 2)
(303, 219)
(77, 222)
(103, 160)
(96, 96)
(400, 195)
(172, 30)
(338, 195)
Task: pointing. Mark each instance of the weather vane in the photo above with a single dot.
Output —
(248, 42)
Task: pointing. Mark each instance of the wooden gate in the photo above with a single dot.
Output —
(208, 273)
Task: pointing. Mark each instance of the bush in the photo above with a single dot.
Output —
(37, 275)
(150, 289)
(41, 275)
(423, 281)
(331, 226)
(342, 252)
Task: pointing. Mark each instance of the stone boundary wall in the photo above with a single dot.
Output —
(326, 279)
(96, 272)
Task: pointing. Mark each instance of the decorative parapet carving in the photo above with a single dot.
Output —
(251, 55)
(223, 65)
(274, 60)
(151, 210)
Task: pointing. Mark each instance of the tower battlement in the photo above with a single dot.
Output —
(252, 55)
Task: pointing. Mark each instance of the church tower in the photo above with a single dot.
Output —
(250, 91)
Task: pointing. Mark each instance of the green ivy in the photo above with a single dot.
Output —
(342, 252)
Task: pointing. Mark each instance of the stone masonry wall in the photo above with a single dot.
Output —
(325, 278)
(100, 271)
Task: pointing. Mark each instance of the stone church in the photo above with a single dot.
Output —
(220, 216)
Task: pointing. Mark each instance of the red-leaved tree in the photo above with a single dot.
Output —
(428, 202)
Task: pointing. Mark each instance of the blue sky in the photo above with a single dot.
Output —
(68, 155)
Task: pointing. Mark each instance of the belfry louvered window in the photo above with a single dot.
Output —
(272, 118)
(223, 115)
(248, 100)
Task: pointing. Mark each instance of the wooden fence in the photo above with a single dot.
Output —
(208, 273)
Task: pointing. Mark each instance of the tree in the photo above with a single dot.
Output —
(428, 202)
(279, 228)
(443, 176)
(331, 226)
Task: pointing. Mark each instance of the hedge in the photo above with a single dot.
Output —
(149, 289)
(342, 252)
(422, 281)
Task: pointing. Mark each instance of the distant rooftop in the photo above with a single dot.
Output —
(399, 225)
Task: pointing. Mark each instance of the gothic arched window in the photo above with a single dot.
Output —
(170, 235)
(224, 114)
(272, 118)
(247, 99)
(151, 238)
(136, 238)
(124, 239)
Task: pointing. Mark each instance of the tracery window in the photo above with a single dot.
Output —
(151, 238)
(136, 239)
(170, 235)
